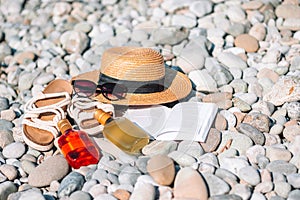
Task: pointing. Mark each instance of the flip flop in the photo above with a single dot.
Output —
(42, 113)
(82, 111)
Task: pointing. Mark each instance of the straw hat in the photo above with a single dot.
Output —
(136, 66)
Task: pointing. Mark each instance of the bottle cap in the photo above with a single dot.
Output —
(64, 125)
(101, 116)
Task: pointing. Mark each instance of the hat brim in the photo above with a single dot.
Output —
(177, 85)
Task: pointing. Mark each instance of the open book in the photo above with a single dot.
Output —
(185, 121)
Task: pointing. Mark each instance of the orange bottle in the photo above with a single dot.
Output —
(76, 146)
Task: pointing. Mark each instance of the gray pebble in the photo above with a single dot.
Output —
(183, 21)
(241, 190)
(264, 107)
(294, 180)
(282, 188)
(5, 125)
(276, 129)
(72, 182)
(294, 195)
(141, 163)
(226, 197)
(129, 175)
(281, 166)
(264, 187)
(254, 151)
(240, 104)
(257, 196)
(232, 61)
(249, 98)
(6, 137)
(226, 175)
(203, 80)
(88, 185)
(250, 175)
(14, 150)
(191, 148)
(9, 171)
(105, 197)
(262, 161)
(97, 190)
(170, 36)
(80, 195)
(201, 8)
(257, 137)
(276, 153)
(239, 85)
(232, 164)
(236, 72)
(6, 188)
(4, 103)
(209, 158)
(159, 147)
(99, 175)
(216, 185)
(26, 80)
(183, 159)
(222, 76)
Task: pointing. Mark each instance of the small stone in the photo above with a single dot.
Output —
(169, 36)
(61, 8)
(254, 151)
(209, 158)
(275, 153)
(80, 195)
(282, 188)
(290, 132)
(247, 42)
(220, 123)
(276, 129)
(72, 182)
(99, 175)
(259, 121)
(217, 97)
(293, 110)
(183, 21)
(264, 107)
(252, 5)
(286, 89)
(268, 73)
(240, 104)
(83, 26)
(9, 171)
(142, 190)
(189, 184)
(232, 164)
(241, 190)
(287, 11)
(226, 197)
(249, 98)
(191, 148)
(24, 57)
(129, 175)
(201, 8)
(215, 184)
(294, 180)
(6, 137)
(230, 118)
(33, 193)
(203, 81)
(14, 150)
(74, 41)
(236, 13)
(294, 195)
(282, 167)
(212, 141)
(4, 103)
(161, 168)
(7, 188)
(232, 61)
(105, 196)
(141, 163)
(159, 147)
(250, 175)
(182, 158)
(121, 194)
(257, 137)
(264, 187)
(53, 168)
(8, 115)
(97, 190)
(239, 86)
(172, 5)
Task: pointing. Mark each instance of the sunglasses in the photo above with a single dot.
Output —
(111, 91)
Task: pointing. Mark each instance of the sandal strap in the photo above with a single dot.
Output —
(50, 129)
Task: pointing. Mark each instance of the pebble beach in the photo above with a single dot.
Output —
(242, 55)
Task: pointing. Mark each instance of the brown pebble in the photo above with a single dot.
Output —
(217, 97)
(23, 57)
(220, 123)
(268, 73)
(291, 123)
(239, 117)
(121, 194)
(212, 141)
(247, 42)
(161, 168)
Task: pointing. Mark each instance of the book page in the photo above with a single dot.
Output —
(189, 121)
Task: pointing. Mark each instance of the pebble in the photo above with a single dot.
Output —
(169, 36)
(203, 81)
(182, 158)
(286, 89)
(53, 168)
(249, 98)
(287, 11)
(142, 191)
(231, 61)
(264, 107)
(290, 132)
(24, 57)
(172, 5)
(141, 163)
(80, 195)
(189, 184)
(282, 188)
(162, 169)
(201, 8)
(247, 42)
(212, 141)
(241, 190)
(258, 120)
(230, 118)
(275, 153)
(129, 175)
(14, 150)
(250, 175)
(232, 164)
(294, 180)
(191, 148)
(216, 185)
(257, 137)
(7, 188)
(220, 123)
(9, 171)
(105, 197)
(74, 41)
(294, 195)
(240, 104)
(293, 110)
(226, 197)
(4, 103)
(236, 13)
(254, 151)
(72, 182)
(264, 187)
(159, 147)
(183, 21)
(282, 167)
(97, 190)
(6, 138)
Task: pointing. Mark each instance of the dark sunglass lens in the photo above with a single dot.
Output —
(84, 87)
(113, 91)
